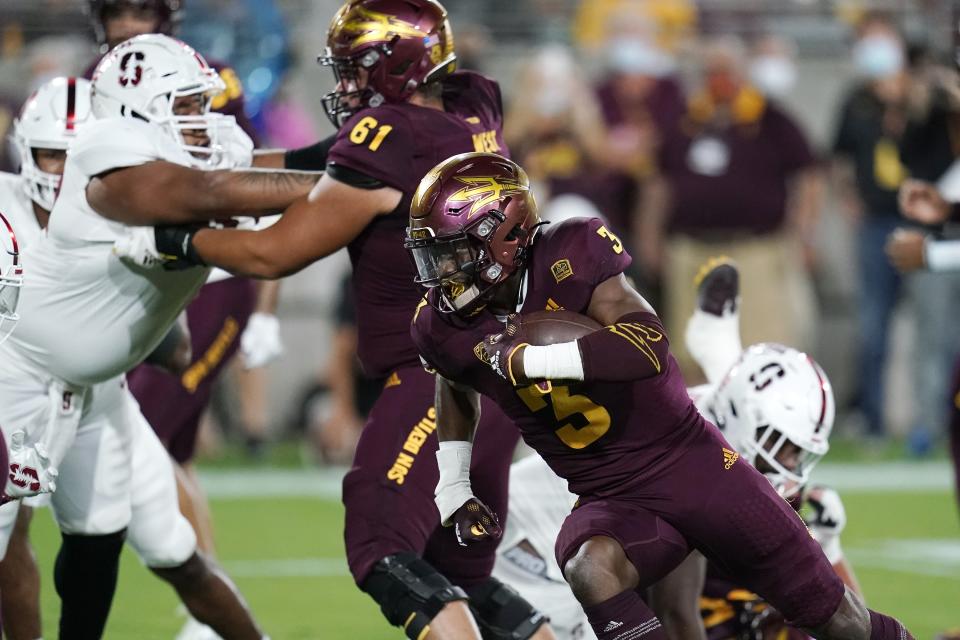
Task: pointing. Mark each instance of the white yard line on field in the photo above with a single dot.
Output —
(288, 568)
(325, 483)
(919, 556)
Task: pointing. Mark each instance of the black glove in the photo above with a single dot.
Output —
(501, 347)
(175, 242)
(475, 522)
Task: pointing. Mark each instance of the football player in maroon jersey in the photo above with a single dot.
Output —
(609, 412)
(400, 108)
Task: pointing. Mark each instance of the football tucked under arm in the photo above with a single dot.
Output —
(635, 342)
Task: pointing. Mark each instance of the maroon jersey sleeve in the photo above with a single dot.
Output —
(585, 252)
(379, 143)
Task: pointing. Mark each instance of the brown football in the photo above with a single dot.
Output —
(550, 327)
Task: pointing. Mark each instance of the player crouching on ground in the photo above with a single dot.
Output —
(651, 472)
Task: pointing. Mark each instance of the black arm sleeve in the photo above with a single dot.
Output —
(311, 158)
(352, 177)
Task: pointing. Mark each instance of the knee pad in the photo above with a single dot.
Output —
(502, 613)
(410, 592)
(163, 548)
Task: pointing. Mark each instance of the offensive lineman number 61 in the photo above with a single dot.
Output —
(361, 131)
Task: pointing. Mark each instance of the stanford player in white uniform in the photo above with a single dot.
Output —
(97, 316)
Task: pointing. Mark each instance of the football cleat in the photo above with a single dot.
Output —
(718, 286)
(712, 335)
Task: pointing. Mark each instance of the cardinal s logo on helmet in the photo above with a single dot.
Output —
(131, 76)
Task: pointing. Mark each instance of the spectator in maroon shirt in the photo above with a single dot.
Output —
(556, 128)
(742, 181)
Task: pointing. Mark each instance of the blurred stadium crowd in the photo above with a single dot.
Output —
(774, 131)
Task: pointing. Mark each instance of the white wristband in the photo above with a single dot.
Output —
(553, 362)
(453, 488)
(940, 255)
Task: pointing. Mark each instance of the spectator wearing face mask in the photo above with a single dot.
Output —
(641, 98)
(869, 168)
(555, 128)
(742, 181)
(773, 69)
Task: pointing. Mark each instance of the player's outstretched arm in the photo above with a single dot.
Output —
(331, 216)
(676, 599)
(160, 192)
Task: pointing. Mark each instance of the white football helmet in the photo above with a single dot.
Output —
(50, 119)
(144, 76)
(771, 397)
(11, 277)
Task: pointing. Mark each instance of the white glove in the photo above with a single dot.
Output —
(138, 246)
(827, 520)
(30, 472)
(260, 342)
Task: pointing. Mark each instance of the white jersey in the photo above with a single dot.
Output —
(87, 316)
(17, 206)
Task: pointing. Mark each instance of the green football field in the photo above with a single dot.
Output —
(285, 553)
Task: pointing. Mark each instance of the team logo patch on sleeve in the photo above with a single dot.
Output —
(561, 270)
(481, 353)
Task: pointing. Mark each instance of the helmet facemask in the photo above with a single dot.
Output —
(197, 133)
(459, 264)
(353, 91)
(786, 463)
(41, 186)
(11, 279)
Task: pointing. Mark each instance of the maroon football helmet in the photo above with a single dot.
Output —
(168, 14)
(472, 221)
(395, 45)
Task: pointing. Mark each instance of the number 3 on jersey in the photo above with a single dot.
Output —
(361, 131)
(580, 421)
(603, 232)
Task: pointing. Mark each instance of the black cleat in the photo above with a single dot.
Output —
(718, 286)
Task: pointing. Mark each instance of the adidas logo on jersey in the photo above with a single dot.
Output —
(611, 626)
(729, 458)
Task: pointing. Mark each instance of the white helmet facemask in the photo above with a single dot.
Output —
(776, 407)
(50, 119)
(11, 278)
(144, 78)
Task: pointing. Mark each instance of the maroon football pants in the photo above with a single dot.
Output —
(719, 504)
(388, 493)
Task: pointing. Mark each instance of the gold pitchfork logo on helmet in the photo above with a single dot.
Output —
(376, 27)
(482, 190)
